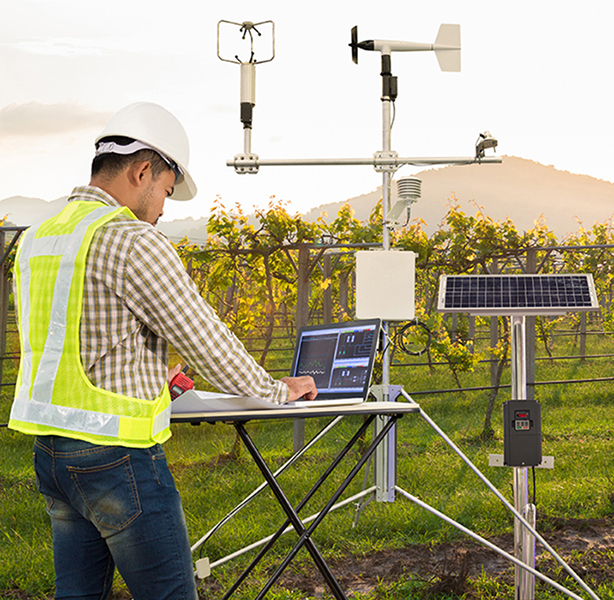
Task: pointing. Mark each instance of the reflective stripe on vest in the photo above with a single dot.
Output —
(54, 396)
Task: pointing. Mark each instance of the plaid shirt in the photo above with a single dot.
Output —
(137, 299)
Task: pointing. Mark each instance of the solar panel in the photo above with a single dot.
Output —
(517, 294)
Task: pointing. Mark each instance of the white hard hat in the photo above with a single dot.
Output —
(154, 126)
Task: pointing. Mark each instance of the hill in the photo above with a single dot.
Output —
(22, 211)
(522, 189)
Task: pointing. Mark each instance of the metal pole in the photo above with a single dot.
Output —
(242, 162)
(494, 333)
(527, 580)
(488, 544)
(524, 541)
(247, 140)
(386, 143)
(384, 476)
(302, 318)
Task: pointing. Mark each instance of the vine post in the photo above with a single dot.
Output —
(302, 317)
(531, 267)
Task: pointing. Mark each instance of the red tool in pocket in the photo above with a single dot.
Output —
(179, 384)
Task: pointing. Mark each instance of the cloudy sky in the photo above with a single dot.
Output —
(537, 74)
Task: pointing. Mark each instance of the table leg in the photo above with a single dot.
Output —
(340, 456)
(306, 535)
(290, 512)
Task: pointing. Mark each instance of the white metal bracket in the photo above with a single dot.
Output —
(203, 568)
(496, 460)
(386, 161)
(246, 164)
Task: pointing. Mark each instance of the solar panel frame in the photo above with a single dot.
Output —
(527, 294)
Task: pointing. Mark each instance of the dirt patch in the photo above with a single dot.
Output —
(447, 568)
(586, 545)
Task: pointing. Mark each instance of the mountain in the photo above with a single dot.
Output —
(194, 229)
(521, 189)
(22, 211)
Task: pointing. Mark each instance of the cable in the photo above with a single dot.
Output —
(408, 217)
(386, 341)
(394, 113)
(400, 342)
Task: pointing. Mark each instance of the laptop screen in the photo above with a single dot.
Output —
(338, 356)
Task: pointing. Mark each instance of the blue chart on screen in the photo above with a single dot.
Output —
(338, 356)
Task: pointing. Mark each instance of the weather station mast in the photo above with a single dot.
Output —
(380, 271)
(385, 161)
(385, 280)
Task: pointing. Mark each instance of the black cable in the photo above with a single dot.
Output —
(408, 217)
(385, 341)
(400, 343)
(534, 487)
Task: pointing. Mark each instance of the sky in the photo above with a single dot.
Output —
(536, 74)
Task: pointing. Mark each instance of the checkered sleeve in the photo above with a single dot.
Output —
(161, 294)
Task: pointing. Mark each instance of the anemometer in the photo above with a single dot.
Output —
(446, 47)
(249, 35)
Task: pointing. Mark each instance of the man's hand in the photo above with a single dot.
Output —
(172, 372)
(301, 387)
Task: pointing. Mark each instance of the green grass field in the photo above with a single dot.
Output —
(577, 431)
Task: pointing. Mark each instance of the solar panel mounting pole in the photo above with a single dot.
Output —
(524, 541)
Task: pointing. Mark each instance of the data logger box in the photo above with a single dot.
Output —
(522, 433)
(385, 282)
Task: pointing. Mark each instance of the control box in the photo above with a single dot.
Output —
(522, 433)
(385, 282)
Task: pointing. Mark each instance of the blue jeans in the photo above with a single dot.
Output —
(114, 506)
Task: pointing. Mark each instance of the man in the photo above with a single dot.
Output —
(100, 294)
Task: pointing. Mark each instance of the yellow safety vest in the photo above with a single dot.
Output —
(53, 394)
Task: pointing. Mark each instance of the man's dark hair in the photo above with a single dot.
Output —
(110, 165)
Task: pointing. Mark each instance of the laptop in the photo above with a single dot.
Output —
(340, 358)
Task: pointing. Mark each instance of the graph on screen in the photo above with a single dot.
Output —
(316, 358)
(338, 356)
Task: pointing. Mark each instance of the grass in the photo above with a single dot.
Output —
(576, 430)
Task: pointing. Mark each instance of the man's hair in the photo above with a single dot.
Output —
(110, 165)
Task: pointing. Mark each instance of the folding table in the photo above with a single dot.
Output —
(390, 411)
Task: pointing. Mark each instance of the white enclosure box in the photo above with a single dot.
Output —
(385, 281)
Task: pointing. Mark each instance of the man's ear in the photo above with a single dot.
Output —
(138, 171)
